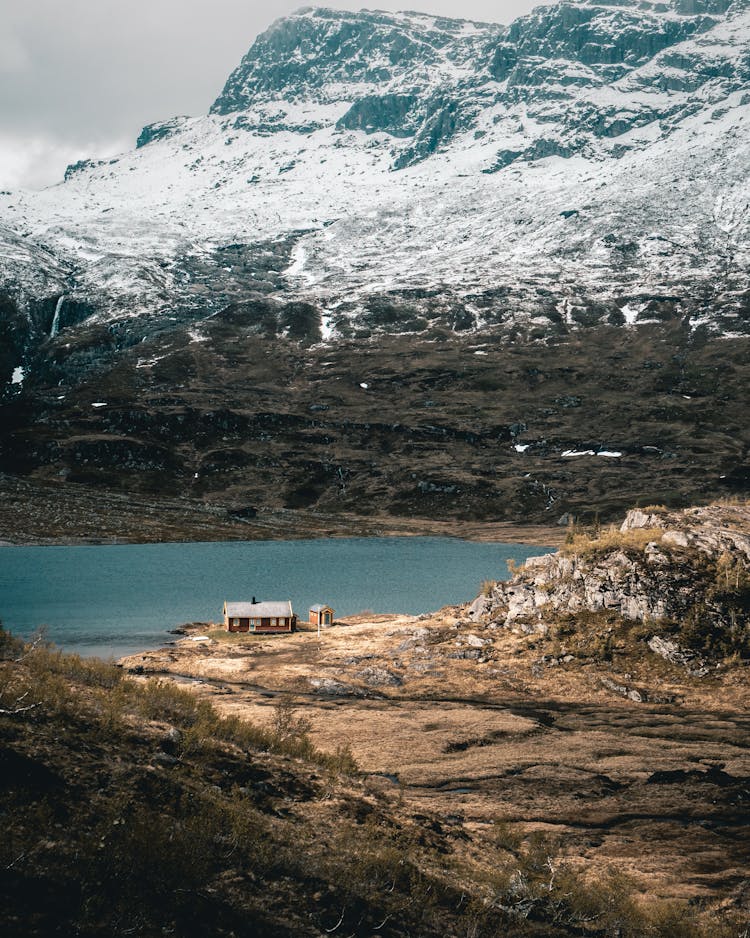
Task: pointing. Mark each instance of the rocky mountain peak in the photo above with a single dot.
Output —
(610, 39)
(324, 54)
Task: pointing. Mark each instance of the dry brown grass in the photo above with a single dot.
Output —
(530, 744)
(609, 539)
(733, 501)
(514, 768)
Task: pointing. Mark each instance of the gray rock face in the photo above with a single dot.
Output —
(479, 608)
(466, 654)
(542, 60)
(315, 52)
(329, 688)
(476, 642)
(392, 113)
(671, 651)
(619, 582)
(697, 566)
(641, 519)
(379, 677)
(159, 131)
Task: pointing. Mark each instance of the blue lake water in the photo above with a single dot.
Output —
(117, 599)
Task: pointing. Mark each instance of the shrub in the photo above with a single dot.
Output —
(537, 886)
(157, 699)
(286, 725)
(342, 761)
(10, 646)
(506, 837)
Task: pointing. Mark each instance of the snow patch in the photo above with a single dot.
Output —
(660, 201)
(630, 313)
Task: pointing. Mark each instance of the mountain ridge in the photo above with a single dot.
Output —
(585, 162)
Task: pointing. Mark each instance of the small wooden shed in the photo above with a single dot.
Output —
(321, 615)
(259, 617)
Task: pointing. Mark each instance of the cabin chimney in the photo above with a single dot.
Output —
(253, 600)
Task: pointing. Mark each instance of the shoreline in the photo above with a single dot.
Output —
(479, 532)
(35, 513)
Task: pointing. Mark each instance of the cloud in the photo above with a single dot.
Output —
(14, 56)
(34, 162)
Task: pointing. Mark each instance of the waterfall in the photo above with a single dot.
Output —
(56, 318)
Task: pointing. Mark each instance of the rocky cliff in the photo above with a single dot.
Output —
(684, 576)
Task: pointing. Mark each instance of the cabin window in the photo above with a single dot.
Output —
(254, 622)
(235, 622)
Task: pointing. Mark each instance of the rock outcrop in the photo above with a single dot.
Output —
(686, 573)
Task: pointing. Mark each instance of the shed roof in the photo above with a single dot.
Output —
(273, 610)
(319, 607)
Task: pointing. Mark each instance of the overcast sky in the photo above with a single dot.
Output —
(79, 78)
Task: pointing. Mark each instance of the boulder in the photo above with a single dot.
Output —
(479, 608)
(331, 688)
(476, 642)
(379, 677)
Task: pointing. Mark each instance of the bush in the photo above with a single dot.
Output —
(157, 699)
(10, 646)
(487, 587)
(537, 886)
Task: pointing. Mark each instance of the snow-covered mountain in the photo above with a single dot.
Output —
(587, 163)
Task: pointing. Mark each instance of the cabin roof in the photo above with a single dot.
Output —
(275, 610)
(320, 607)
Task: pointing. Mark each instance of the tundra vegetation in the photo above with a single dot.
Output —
(132, 806)
(243, 436)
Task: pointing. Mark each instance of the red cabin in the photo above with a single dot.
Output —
(259, 617)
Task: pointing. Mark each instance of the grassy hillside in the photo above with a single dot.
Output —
(131, 807)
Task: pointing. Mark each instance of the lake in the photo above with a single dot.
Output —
(117, 599)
